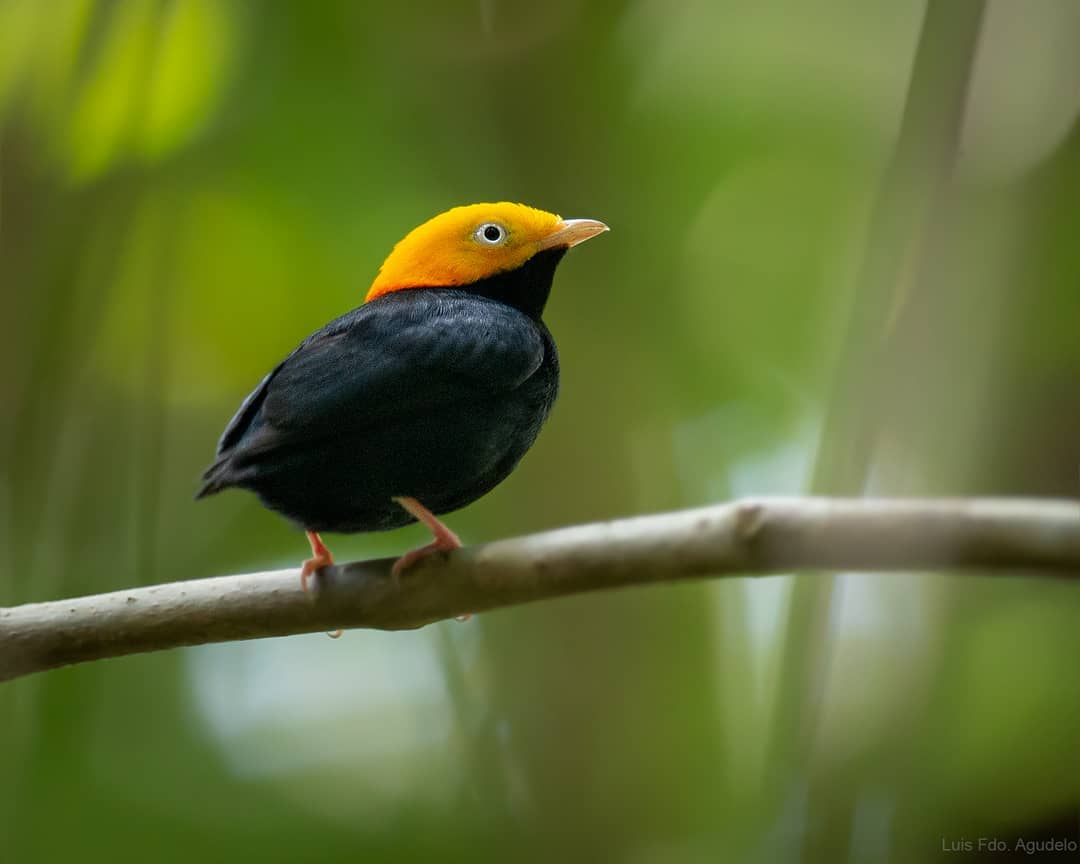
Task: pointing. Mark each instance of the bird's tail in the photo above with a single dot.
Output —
(216, 478)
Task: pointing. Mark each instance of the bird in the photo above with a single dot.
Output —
(420, 400)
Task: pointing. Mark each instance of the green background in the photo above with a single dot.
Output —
(188, 188)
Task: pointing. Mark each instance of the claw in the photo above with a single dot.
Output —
(320, 557)
(413, 555)
(445, 540)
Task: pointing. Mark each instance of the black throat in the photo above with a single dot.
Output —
(526, 288)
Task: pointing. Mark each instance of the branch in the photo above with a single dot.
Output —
(753, 536)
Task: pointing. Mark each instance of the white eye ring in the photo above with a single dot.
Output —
(490, 234)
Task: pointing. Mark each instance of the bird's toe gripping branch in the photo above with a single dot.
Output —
(320, 557)
(444, 540)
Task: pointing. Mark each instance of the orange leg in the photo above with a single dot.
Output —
(320, 557)
(445, 539)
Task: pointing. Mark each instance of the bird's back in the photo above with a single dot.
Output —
(434, 394)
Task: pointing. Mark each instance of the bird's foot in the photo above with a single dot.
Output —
(413, 555)
(320, 557)
(444, 540)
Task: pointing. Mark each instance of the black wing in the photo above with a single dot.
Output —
(405, 352)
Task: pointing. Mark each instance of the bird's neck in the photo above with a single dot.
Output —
(526, 287)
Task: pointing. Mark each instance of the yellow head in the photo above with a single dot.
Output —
(467, 244)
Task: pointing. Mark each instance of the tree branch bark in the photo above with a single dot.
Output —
(752, 536)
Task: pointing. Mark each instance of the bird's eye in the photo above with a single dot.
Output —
(490, 234)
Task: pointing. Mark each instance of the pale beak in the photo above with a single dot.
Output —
(570, 232)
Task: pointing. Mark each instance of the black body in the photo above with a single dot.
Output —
(433, 393)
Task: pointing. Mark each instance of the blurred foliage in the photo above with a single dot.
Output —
(189, 187)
